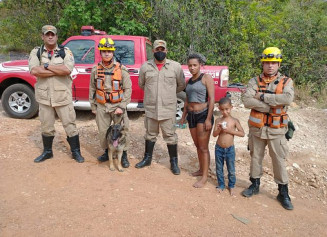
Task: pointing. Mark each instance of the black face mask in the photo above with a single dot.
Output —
(160, 56)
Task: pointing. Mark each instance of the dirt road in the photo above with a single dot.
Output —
(60, 197)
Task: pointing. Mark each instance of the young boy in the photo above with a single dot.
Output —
(225, 128)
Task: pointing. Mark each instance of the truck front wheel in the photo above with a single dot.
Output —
(18, 101)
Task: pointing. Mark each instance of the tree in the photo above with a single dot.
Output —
(22, 20)
(112, 16)
(227, 32)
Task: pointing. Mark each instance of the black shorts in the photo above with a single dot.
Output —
(194, 118)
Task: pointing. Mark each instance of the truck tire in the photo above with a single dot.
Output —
(181, 97)
(18, 101)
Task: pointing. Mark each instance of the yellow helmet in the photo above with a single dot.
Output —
(271, 54)
(106, 44)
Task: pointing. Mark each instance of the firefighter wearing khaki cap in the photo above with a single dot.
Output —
(161, 79)
(52, 66)
(268, 96)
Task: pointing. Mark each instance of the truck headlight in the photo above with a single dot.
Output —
(224, 76)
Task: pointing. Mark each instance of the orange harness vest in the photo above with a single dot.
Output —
(277, 117)
(117, 93)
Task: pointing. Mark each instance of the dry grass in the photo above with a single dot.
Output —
(308, 95)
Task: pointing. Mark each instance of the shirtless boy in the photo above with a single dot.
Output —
(226, 128)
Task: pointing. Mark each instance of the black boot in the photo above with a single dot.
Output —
(104, 157)
(283, 197)
(47, 149)
(147, 155)
(253, 189)
(124, 160)
(75, 148)
(172, 150)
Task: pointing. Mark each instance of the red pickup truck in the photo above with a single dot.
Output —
(17, 84)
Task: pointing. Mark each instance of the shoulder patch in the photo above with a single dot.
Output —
(69, 53)
(66, 49)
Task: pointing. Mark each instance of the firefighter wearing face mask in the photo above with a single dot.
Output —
(109, 94)
(268, 96)
(161, 79)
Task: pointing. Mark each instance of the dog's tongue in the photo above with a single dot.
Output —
(115, 143)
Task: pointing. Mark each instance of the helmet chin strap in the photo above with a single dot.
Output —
(107, 62)
(267, 75)
(269, 78)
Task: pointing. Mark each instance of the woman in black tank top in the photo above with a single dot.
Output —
(198, 109)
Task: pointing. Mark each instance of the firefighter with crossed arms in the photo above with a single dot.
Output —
(268, 96)
(109, 94)
(52, 64)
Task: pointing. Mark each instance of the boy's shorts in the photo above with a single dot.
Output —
(194, 118)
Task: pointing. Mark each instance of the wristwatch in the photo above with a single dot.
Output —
(46, 65)
(262, 97)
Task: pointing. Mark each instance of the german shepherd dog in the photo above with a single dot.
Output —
(116, 143)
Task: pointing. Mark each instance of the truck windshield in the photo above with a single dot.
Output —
(125, 51)
(83, 51)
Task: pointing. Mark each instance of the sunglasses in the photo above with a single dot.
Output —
(271, 55)
(106, 45)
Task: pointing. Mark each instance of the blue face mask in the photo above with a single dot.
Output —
(160, 56)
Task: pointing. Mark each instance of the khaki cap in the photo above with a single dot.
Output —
(159, 43)
(49, 28)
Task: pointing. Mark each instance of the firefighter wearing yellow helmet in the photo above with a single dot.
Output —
(271, 54)
(109, 94)
(268, 96)
(106, 44)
